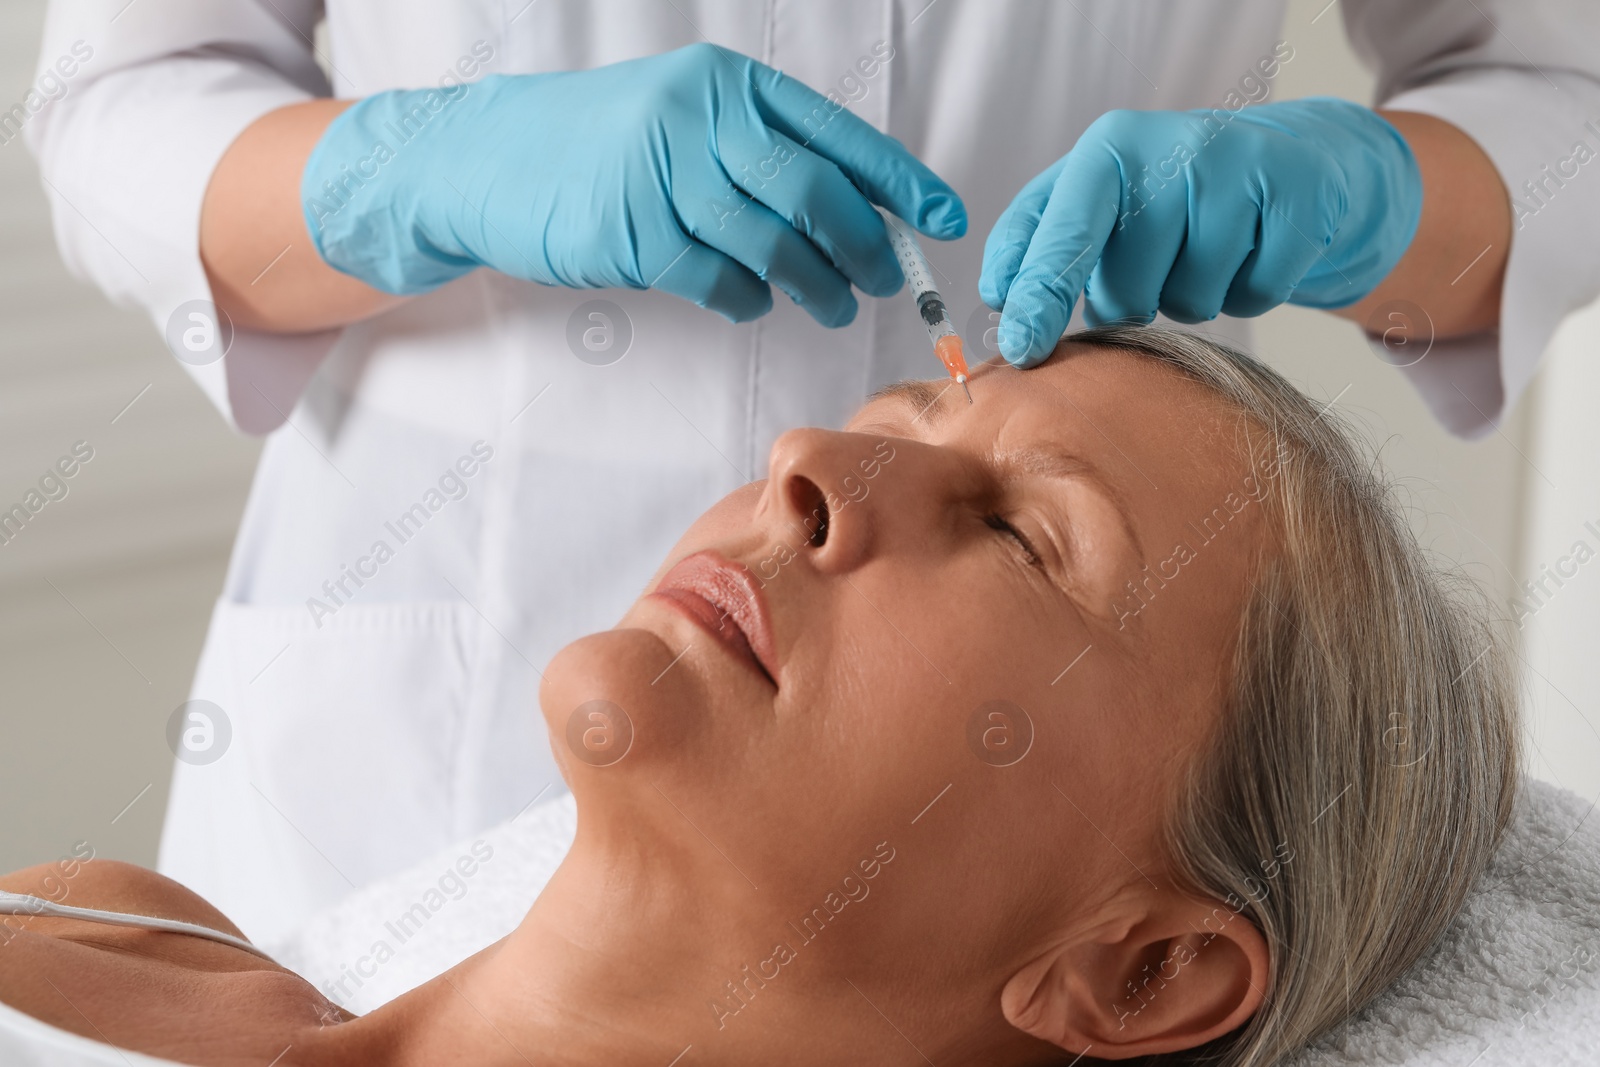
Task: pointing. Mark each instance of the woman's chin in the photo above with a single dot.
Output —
(601, 705)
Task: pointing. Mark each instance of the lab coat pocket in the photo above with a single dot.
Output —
(322, 757)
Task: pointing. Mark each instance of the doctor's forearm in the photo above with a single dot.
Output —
(264, 271)
(1456, 263)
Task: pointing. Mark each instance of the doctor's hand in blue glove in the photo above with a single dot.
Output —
(1200, 213)
(698, 172)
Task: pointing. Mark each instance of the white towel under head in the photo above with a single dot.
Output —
(1516, 977)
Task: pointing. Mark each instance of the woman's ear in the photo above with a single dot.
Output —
(1173, 974)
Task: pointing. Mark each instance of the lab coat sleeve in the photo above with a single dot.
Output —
(1522, 78)
(158, 90)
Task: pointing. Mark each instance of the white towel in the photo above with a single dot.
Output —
(1515, 979)
(396, 934)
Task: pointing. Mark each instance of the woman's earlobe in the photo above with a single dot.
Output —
(1187, 973)
(1034, 1002)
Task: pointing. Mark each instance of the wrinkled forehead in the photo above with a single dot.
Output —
(1103, 400)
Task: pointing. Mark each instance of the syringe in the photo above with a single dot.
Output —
(919, 279)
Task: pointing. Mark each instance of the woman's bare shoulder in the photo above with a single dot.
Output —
(162, 993)
(111, 885)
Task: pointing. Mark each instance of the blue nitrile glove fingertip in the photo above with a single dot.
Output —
(882, 277)
(888, 286)
(1015, 355)
(943, 217)
(844, 315)
(1018, 339)
(741, 310)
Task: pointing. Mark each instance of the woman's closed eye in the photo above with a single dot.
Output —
(1002, 525)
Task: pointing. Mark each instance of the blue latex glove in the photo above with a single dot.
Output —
(699, 172)
(1193, 213)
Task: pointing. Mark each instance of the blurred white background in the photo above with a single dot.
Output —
(104, 597)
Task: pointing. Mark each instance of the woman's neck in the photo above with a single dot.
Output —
(624, 968)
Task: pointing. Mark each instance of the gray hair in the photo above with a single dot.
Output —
(1367, 757)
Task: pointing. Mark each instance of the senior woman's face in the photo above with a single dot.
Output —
(917, 638)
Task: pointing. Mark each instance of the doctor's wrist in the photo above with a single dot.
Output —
(262, 265)
(1454, 268)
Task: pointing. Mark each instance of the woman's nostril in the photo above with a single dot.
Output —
(811, 505)
(819, 536)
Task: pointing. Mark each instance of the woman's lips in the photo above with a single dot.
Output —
(723, 598)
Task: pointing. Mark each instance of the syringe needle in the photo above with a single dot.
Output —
(966, 390)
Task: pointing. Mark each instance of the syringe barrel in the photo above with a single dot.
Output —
(930, 305)
(913, 264)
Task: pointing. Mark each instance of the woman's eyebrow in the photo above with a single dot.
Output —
(924, 398)
(921, 395)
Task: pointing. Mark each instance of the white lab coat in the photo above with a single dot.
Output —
(407, 718)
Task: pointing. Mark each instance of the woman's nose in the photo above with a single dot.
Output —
(817, 500)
